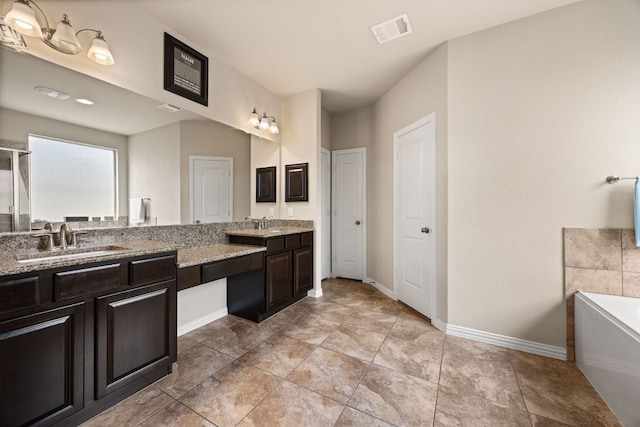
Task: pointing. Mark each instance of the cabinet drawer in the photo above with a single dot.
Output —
(307, 238)
(275, 245)
(19, 293)
(231, 267)
(152, 270)
(292, 241)
(71, 284)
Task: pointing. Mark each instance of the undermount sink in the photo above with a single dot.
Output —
(70, 254)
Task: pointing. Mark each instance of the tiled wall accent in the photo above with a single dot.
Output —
(600, 261)
(189, 235)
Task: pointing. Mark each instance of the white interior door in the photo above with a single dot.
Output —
(414, 202)
(211, 189)
(325, 265)
(348, 190)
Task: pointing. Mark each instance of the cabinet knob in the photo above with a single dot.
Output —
(425, 230)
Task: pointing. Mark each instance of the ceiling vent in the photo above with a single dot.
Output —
(392, 29)
(51, 93)
(170, 108)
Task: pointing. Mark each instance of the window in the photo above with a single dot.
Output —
(71, 179)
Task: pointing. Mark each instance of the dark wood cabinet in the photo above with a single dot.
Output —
(288, 275)
(41, 366)
(76, 340)
(135, 334)
(302, 270)
(278, 279)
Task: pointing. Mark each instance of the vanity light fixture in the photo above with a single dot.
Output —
(22, 18)
(263, 123)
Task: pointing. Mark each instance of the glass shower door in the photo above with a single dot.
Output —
(14, 191)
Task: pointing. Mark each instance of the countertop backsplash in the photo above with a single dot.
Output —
(186, 235)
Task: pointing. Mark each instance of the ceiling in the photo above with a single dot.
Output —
(291, 46)
(112, 111)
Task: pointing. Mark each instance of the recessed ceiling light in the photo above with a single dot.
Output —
(85, 101)
(51, 93)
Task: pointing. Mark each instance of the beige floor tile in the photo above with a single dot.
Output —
(354, 341)
(311, 330)
(538, 421)
(482, 370)
(176, 415)
(420, 357)
(559, 391)
(410, 326)
(353, 418)
(194, 364)
(278, 355)
(235, 340)
(348, 298)
(395, 397)
(290, 405)
(331, 374)
(372, 321)
(225, 398)
(331, 311)
(132, 410)
(456, 408)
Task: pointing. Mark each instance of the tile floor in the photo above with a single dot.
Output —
(355, 358)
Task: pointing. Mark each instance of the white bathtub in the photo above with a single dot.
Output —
(607, 344)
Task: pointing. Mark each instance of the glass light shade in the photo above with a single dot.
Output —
(23, 19)
(264, 122)
(253, 119)
(273, 128)
(64, 39)
(99, 52)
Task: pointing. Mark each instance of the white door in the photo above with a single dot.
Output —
(325, 264)
(414, 215)
(348, 185)
(211, 189)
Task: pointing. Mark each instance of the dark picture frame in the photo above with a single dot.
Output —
(266, 185)
(186, 71)
(296, 182)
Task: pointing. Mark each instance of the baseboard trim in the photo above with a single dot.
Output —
(315, 293)
(388, 292)
(184, 329)
(547, 350)
(439, 324)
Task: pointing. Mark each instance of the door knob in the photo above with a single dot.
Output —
(357, 222)
(425, 230)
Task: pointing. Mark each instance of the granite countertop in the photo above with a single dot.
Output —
(204, 254)
(269, 232)
(9, 261)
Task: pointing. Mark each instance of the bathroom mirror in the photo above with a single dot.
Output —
(127, 118)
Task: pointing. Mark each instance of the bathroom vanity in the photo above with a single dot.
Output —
(79, 335)
(286, 277)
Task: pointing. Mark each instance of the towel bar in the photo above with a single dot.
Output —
(613, 179)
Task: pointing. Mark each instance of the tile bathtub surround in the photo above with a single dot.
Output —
(356, 358)
(604, 261)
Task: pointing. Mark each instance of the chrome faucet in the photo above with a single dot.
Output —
(62, 236)
(263, 222)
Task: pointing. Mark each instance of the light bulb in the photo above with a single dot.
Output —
(264, 122)
(99, 51)
(22, 18)
(253, 119)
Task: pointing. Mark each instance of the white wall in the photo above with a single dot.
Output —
(541, 110)
(351, 129)
(325, 130)
(208, 138)
(419, 93)
(154, 171)
(264, 154)
(300, 142)
(16, 126)
(136, 40)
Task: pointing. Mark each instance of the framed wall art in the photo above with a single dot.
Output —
(266, 184)
(186, 71)
(297, 183)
